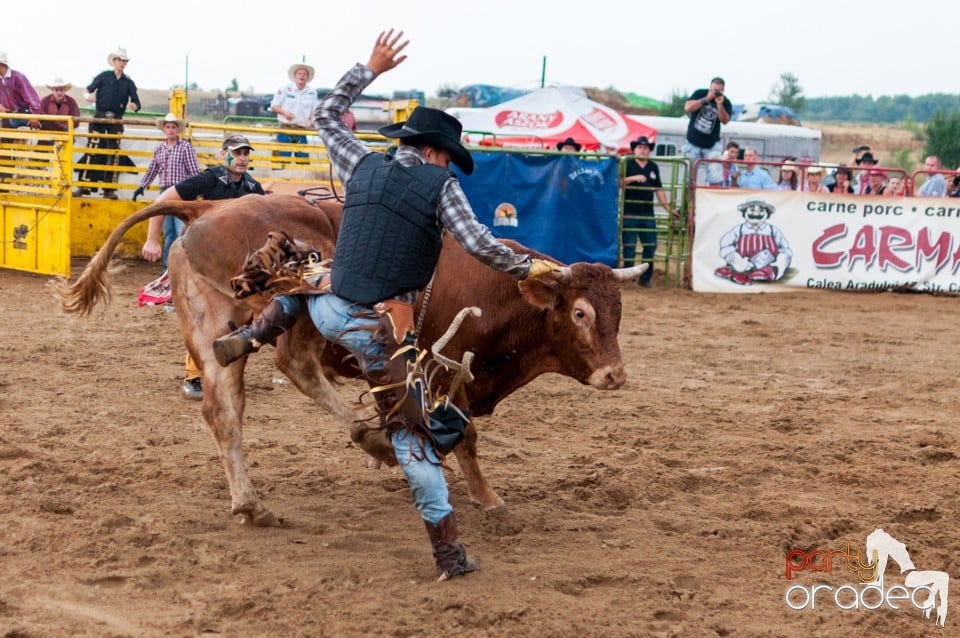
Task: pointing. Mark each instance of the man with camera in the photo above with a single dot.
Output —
(708, 109)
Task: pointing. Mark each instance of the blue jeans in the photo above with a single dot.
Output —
(334, 318)
(714, 169)
(292, 139)
(172, 228)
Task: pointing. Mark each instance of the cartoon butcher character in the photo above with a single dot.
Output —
(754, 250)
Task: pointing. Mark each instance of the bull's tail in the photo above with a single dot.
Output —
(93, 285)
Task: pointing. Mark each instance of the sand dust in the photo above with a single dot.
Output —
(750, 426)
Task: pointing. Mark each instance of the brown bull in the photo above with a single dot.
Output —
(568, 327)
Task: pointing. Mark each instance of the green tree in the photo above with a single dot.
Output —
(673, 106)
(788, 92)
(943, 137)
(234, 85)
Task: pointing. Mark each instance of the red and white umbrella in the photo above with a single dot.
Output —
(543, 118)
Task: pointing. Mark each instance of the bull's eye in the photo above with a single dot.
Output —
(582, 314)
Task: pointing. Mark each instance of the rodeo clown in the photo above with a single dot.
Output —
(754, 250)
(405, 203)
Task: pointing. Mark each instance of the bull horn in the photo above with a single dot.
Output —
(564, 275)
(626, 274)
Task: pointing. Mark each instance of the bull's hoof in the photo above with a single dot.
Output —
(490, 502)
(257, 517)
(498, 509)
(359, 431)
(374, 441)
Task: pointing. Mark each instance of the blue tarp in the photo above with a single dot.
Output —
(561, 205)
(486, 95)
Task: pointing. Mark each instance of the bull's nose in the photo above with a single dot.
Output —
(609, 377)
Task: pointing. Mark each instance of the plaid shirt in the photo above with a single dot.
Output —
(173, 163)
(16, 93)
(453, 210)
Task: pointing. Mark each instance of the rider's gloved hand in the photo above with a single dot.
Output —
(540, 267)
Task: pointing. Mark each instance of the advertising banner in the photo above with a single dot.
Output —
(562, 205)
(750, 241)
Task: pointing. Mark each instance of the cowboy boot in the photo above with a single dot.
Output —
(449, 554)
(272, 322)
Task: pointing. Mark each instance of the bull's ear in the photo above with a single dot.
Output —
(540, 292)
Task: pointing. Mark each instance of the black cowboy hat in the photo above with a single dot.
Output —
(568, 142)
(435, 128)
(641, 140)
(866, 157)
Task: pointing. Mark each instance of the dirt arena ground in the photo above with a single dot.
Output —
(750, 426)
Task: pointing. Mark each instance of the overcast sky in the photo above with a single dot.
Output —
(651, 48)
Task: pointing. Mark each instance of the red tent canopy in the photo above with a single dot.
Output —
(543, 118)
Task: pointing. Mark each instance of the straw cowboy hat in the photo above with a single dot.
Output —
(293, 69)
(117, 53)
(3, 58)
(169, 117)
(433, 127)
(58, 83)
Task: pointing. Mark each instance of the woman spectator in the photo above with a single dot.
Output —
(895, 187)
(842, 179)
(788, 176)
(814, 173)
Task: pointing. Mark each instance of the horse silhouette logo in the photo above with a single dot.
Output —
(881, 547)
(924, 590)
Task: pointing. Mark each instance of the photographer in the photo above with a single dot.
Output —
(708, 109)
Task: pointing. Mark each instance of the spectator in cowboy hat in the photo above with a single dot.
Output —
(814, 174)
(864, 161)
(111, 91)
(789, 176)
(174, 160)
(568, 145)
(294, 104)
(641, 182)
(57, 102)
(17, 95)
(876, 181)
(859, 151)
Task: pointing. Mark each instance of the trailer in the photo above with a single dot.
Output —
(774, 142)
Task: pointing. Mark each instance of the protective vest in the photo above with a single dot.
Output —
(389, 240)
(225, 188)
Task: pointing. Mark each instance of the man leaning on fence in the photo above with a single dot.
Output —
(17, 95)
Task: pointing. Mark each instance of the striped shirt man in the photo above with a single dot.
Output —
(172, 163)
